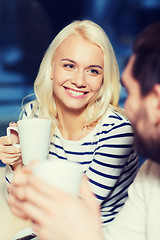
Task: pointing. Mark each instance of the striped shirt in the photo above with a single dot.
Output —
(108, 157)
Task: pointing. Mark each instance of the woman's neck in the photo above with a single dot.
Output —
(71, 124)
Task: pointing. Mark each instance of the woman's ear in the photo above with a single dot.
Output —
(51, 75)
(52, 66)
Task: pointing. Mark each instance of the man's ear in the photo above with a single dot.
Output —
(156, 106)
(156, 90)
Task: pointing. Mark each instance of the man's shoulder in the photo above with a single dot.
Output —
(148, 175)
(150, 168)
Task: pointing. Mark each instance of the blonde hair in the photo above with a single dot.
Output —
(108, 95)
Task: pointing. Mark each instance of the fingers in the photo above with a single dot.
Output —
(14, 133)
(85, 189)
(9, 149)
(16, 206)
(10, 154)
(47, 189)
(27, 187)
(14, 159)
(26, 201)
(12, 124)
(8, 140)
(15, 196)
(20, 178)
(87, 195)
(12, 139)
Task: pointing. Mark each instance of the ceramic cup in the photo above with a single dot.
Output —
(34, 137)
(61, 174)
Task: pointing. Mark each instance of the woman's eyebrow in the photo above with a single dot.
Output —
(72, 61)
(69, 60)
(97, 66)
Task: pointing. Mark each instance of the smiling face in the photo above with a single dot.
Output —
(77, 73)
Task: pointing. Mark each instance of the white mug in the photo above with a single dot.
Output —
(62, 174)
(34, 137)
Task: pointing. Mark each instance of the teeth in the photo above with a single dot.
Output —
(75, 92)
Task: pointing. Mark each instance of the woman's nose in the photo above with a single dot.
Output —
(79, 79)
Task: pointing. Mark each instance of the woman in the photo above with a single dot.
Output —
(77, 87)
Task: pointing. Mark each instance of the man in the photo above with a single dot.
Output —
(139, 219)
(68, 217)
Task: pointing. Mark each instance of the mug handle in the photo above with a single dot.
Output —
(9, 132)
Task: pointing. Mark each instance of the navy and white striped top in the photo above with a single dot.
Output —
(108, 157)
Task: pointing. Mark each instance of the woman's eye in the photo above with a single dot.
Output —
(69, 66)
(94, 71)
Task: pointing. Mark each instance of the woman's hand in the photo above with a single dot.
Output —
(10, 154)
(54, 213)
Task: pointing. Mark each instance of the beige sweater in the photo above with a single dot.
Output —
(139, 219)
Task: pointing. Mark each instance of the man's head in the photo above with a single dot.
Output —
(141, 78)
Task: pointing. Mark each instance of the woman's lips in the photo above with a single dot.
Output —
(75, 93)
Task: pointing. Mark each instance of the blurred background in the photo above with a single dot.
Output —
(28, 26)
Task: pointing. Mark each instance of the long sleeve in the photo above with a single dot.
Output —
(113, 168)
